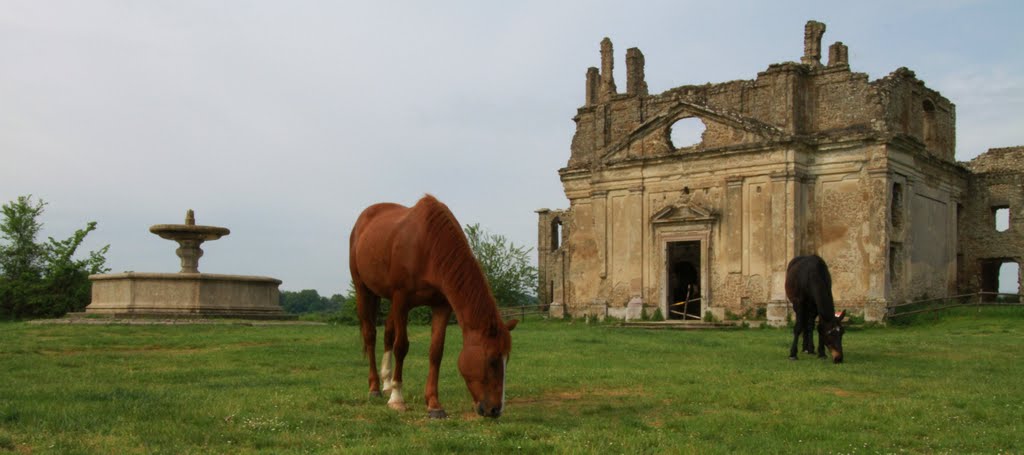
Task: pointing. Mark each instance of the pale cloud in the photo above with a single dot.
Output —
(988, 101)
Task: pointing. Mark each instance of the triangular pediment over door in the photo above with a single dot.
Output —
(684, 213)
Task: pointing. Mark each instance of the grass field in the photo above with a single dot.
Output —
(952, 384)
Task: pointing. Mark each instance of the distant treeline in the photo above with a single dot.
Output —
(310, 301)
(308, 304)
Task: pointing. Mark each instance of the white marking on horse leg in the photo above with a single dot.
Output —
(396, 402)
(386, 371)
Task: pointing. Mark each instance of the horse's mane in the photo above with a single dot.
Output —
(457, 269)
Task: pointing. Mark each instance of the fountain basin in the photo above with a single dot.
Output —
(134, 294)
(188, 232)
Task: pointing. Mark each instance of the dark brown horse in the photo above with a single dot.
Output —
(809, 288)
(419, 256)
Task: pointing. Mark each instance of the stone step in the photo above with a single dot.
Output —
(688, 325)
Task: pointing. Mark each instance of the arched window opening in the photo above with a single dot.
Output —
(556, 234)
(896, 206)
(928, 128)
(686, 132)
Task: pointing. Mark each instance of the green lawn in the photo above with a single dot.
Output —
(947, 385)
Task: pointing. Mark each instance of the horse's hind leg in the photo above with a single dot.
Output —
(366, 308)
(438, 327)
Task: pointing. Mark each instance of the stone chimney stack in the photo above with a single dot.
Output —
(593, 82)
(812, 43)
(838, 54)
(608, 90)
(635, 84)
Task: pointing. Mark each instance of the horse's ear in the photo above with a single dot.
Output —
(511, 324)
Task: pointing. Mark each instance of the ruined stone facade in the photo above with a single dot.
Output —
(806, 158)
(997, 182)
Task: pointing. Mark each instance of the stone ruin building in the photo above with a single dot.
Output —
(809, 157)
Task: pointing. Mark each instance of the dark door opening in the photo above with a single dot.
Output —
(683, 262)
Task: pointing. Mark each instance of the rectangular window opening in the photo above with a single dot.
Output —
(1002, 218)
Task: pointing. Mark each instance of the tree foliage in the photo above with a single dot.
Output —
(507, 266)
(42, 279)
(310, 301)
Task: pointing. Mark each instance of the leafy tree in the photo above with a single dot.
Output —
(304, 301)
(506, 265)
(309, 301)
(42, 279)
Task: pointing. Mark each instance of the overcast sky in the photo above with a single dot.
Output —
(282, 120)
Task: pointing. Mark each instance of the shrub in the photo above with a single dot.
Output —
(42, 279)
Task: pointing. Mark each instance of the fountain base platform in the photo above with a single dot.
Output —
(134, 294)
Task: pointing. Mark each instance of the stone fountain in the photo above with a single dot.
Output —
(187, 293)
(189, 237)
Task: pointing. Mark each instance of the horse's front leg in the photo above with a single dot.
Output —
(387, 361)
(821, 345)
(400, 314)
(438, 327)
(797, 328)
(809, 332)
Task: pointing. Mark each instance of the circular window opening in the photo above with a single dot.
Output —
(686, 132)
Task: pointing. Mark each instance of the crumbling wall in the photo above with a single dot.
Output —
(917, 112)
(997, 182)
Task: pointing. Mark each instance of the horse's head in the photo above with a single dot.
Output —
(482, 364)
(832, 332)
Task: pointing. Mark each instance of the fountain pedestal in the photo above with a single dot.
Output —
(187, 293)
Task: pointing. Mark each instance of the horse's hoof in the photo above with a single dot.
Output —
(792, 357)
(437, 414)
(398, 406)
(375, 394)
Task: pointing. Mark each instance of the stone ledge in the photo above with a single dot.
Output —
(84, 319)
(183, 276)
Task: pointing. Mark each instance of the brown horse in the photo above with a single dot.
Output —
(419, 256)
